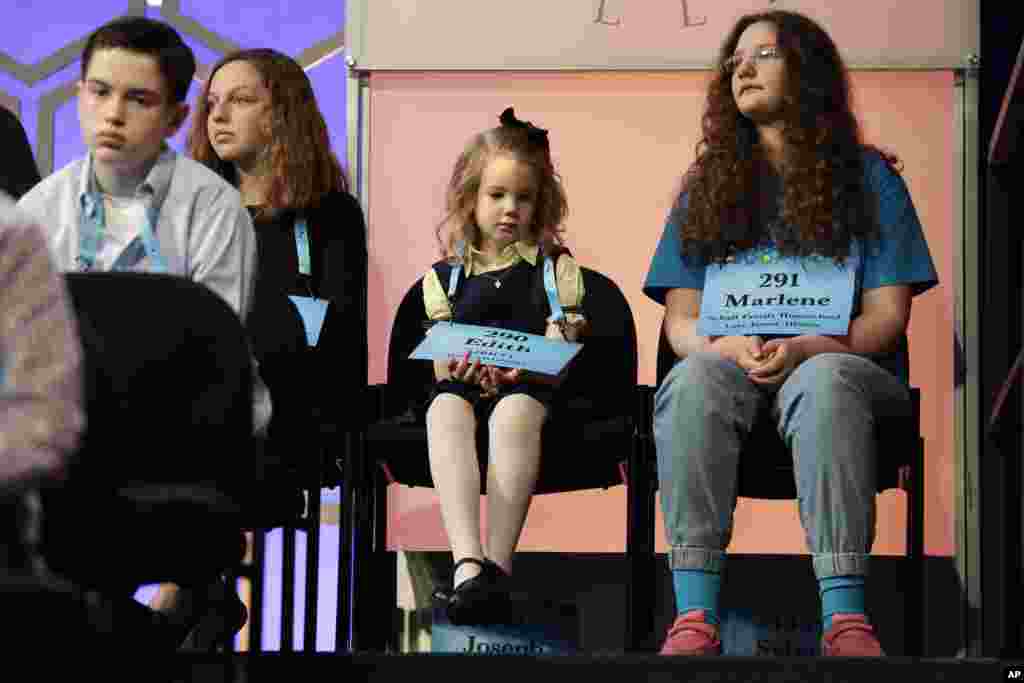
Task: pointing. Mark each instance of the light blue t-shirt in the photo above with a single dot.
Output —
(899, 257)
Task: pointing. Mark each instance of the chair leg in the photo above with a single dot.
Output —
(259, 544)
(361, 533)
(312, 567)
(390, 567)
(387, 564)
(634, 555)
(373, 567)
(640, 533)
(343, 615)
(288, 588)
(914, 596)
(227, 642)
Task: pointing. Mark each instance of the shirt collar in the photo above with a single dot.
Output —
(154, 187)
(509, 256)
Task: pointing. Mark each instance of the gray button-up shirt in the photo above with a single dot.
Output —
(204, 232)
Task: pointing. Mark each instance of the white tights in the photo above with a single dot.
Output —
(514, 460)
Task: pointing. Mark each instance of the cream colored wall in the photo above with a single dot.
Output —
(621, 141)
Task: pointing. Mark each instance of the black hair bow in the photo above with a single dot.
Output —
(508, 118)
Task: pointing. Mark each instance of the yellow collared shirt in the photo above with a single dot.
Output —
(568, 282)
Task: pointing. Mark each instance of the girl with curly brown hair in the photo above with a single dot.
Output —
(787, 269)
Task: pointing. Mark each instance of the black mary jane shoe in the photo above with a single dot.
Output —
(477, 600)
(445, 595)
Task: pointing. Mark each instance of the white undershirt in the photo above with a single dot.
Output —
(124, 219)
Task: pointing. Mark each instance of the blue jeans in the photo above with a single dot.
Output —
(825, 412)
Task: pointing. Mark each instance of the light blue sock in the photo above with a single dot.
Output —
(840, 595)
(697, 589)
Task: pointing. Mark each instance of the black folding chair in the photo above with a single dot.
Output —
(595, 430)
(161, 485)
(317, 398)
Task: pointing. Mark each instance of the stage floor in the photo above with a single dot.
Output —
(565, 669)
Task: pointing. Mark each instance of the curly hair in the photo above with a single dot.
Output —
(460, 200)
(825, 202)
(304, 169)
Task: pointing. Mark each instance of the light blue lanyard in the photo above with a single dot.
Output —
(551, 289)
(453, 277)
(302, 247)
(550, 286)
(92, 228)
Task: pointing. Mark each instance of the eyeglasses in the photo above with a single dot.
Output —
(765, 52)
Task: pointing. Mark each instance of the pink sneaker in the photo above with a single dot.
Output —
(692, 636)
(850, 636)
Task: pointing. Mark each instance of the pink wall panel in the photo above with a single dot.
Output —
(621, 141)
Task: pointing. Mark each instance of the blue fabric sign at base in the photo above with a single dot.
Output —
(540, 629)
(745, 634)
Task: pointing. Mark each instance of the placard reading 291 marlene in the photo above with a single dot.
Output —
(496, 346)
(761, 292)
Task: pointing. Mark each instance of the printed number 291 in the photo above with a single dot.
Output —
(780, 280)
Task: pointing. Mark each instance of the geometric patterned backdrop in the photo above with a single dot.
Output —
(40, 48)
(42, 42)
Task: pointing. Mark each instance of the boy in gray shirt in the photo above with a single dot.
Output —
(134, 204)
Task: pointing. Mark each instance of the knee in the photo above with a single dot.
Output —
(827, 374)
(449, 411)
(517, 417)
(694, 375)
(700, 384)
(834, 390)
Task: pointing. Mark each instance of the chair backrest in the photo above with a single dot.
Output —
(601, 378)
(410, 379)
(18, 173)
(168, 445)
(278, 338)
(303, 380)
(274, 325)
(770, 474)
(168, 381)
(343, 340)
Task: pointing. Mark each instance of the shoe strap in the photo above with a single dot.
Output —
(698, 626)
(844, 627)
(495, 568)
(470, 560)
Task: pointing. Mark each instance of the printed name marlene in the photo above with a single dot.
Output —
(732, 301)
